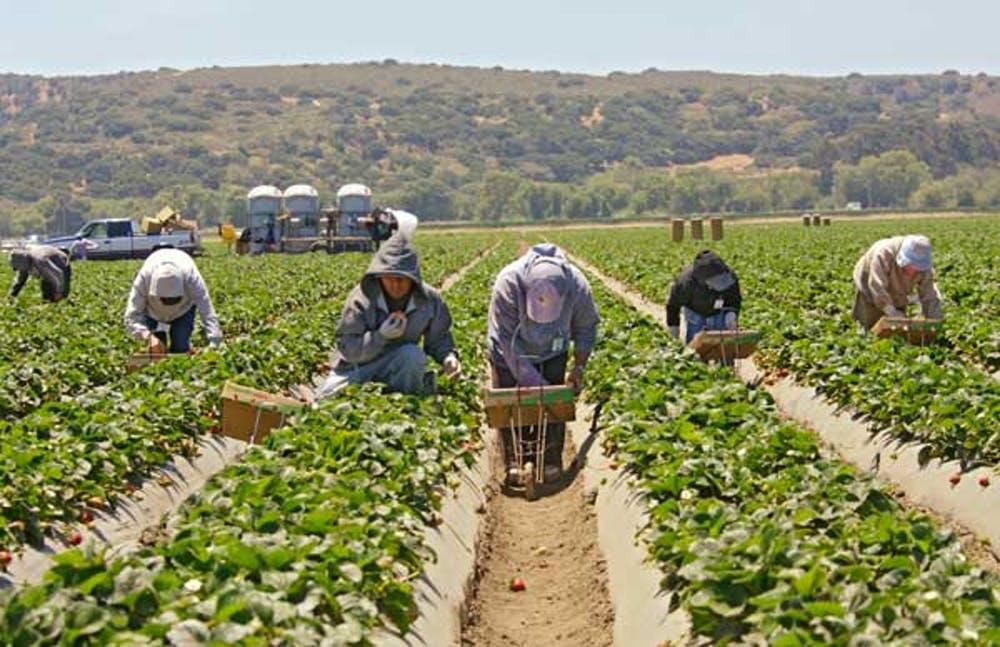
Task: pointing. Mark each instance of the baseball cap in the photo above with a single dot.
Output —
(546, 289)
(915, 251)
(166, 281)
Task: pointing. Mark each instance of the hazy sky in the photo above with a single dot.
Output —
(755, 36)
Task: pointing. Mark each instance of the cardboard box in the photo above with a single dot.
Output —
(714, 345)
(137, 361)
(250, 415)
(915, 331)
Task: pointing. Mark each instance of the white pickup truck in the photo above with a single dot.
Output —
(121, 238)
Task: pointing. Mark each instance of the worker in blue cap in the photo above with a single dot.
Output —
(888, 273)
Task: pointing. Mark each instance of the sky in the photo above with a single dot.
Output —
(820, 38)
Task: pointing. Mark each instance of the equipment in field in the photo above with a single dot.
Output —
(527, 412)
(916, 331)
(250, 415)
(293, 222)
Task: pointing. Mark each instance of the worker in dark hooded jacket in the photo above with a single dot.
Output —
(384, 320)
(707, 292)
(47, 263)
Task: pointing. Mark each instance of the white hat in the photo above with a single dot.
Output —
(166, 281)
(915, 251)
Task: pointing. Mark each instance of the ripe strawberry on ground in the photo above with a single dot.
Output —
(75, 538)
(517, 584)
(984, 480)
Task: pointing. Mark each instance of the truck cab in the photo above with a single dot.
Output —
(113, 238)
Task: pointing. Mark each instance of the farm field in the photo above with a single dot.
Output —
(798, 291)
(320, 535)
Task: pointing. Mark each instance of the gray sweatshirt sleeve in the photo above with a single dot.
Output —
(503, 321)
(203, 301)
(438, 342)
(135, 310)
(357, 344)
(583, 325)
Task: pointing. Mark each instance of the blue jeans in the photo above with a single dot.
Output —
(401, 368)
(180, 331)
(695, 323)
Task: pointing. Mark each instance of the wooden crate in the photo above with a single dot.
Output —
(714, 345)
(250, 415)
(504, 405)
(915, 331)
(137, 361)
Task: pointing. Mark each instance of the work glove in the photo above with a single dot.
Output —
(675, 331)
(730, 320)
(394, 326)
(575, 379)
(452, 367)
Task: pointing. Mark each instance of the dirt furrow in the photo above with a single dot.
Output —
(552, 545)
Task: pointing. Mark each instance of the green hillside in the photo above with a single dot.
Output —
(453, 142)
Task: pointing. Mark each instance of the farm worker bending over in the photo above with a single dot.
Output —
(47, 263)
(888, 273)
(707, 292)
(540, 303)
(383, 322)
(165, 293)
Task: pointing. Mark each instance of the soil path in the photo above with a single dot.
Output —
(966, 508)
(552, 544)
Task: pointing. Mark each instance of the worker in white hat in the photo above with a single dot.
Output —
(541, 303)
(161, 306)
(888, 273)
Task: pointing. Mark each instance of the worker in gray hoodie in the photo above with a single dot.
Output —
(541, 303)
(49, 264)
(161, 305)
(391, 322)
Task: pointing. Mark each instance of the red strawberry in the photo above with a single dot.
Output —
(984, 480)
(955, 478)
(5, 557)
(75, 538)
(87, 516)
(517, 584)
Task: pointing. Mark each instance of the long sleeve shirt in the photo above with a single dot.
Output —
(880, 279)
(142, 304)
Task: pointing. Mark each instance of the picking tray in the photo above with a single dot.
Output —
(137, 361)
(915, 331)
(504, 405)
(714, 345)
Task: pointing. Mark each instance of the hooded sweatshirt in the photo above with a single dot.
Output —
(44, 261)
(513, 337)
(141, 301)
(358, 338)
(690, 290)
(881, 281)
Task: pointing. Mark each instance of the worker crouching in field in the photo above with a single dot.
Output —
(540, 303)
(707, 293)
(886, 275)
(384, 320)
(161, 306)
(49, 264)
